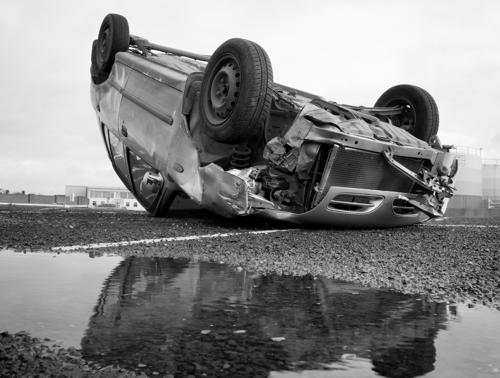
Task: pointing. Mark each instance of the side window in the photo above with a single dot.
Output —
(116, 154)
(146, 182)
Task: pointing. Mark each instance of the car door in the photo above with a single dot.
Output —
(149, 101)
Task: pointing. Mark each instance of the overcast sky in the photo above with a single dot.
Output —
(346, 51)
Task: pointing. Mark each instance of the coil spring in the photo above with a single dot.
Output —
(241, 156)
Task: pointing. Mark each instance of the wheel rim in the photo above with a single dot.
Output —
(406, 120)
(223, 90)
(104, 46)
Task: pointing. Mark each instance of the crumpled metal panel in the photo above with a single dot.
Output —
(311, 123)
(231, 193)
(224, 193)
(227, 193)
(278, 152)
(284, 151)
(307, 156)
(356, 126)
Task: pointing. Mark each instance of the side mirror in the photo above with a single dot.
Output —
(151, 183)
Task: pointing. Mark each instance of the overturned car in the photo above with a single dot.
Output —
(218, 129)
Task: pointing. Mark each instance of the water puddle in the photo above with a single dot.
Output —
(51, 295)
(206, 319)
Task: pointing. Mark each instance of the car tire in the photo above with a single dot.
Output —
(420, 116)
(236, 92)
(113, 37)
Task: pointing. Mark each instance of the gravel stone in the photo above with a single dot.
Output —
(24, 356)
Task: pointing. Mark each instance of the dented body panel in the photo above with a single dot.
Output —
(318, 162)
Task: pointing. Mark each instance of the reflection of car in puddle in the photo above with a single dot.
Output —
(190, 318)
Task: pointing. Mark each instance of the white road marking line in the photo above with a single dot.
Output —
(225, 235)
(460, 225)
(161, 240)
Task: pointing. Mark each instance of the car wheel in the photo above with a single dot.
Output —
(420, 116)
(236, 91)
(113, 37)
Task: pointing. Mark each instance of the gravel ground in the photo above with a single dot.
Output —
(24, 356)
(451, 260)
(23, 228)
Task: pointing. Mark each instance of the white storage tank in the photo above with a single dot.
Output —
(491, 180)
(469, 179)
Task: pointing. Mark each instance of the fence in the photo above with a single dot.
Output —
(35, 199)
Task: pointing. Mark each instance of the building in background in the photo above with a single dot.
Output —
(101, 196)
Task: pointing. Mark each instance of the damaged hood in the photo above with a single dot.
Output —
(314, 124)
(313, 116)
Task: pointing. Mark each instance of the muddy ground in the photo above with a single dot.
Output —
(457, 259)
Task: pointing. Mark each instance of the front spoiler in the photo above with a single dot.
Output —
(380, 215)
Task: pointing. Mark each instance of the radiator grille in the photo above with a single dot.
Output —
(366, 170)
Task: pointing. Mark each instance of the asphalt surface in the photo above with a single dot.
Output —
(451, 260)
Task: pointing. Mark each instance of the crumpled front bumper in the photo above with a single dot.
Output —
(380, 210)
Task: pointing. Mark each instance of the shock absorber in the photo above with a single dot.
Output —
(241, 156)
